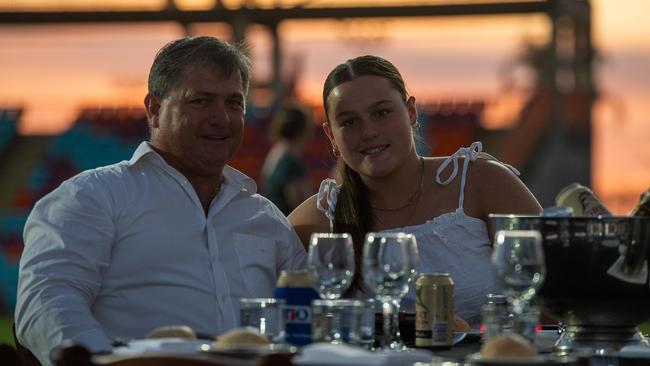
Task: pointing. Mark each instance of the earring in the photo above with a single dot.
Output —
(335, 151)
(416, 125)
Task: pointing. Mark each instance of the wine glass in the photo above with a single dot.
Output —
(331, 256)
(390, 263)
(518, 259)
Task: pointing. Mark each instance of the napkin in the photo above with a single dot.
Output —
(343, 354)
(175, 345)
(634, 352)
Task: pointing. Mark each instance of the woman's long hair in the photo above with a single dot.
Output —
(353, 212)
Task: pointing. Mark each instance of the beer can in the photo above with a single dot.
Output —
(582, 200)
(295, 288)
(434, 310)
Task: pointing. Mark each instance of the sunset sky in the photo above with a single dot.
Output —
(52, 70)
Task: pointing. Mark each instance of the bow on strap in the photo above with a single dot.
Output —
(471, 153)
(328, 190)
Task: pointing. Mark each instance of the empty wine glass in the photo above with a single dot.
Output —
(390, 263)
(331, 256)
(518, 259)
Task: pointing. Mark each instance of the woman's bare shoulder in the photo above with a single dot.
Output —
(497, 189)
(492, 171)
(306, 211)
(307, 219)
(435, 161)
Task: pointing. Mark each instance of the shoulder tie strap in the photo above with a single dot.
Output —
(471, 153)
(329, 190)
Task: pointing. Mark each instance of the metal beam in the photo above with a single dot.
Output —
(274, 15)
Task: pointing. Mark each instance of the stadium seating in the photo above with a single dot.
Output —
(8, 126)
(102, 136)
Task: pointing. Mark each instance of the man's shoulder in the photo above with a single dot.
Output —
(89, 185)
(265, 204)
(116, 171)
(97, 180)
(108, 172)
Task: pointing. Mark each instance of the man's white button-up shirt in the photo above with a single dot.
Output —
(119, 250)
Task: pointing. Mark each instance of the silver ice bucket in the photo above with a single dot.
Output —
(596, 273)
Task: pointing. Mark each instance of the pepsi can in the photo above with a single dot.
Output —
(295, 288)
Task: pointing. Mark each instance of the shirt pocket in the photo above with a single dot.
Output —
(257, 261)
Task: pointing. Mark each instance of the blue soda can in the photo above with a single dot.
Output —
(295, 288)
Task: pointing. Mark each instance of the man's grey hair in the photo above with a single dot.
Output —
(174, 56)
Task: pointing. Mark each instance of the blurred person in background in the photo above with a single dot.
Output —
(173, 236)
(285, 177)
(387, 187)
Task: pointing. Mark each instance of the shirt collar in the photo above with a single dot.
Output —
(231, 175)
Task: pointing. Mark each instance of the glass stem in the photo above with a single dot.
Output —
(336, 335)
(518, 306)
(391, 338)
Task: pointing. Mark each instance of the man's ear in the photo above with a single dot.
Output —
(152, 107)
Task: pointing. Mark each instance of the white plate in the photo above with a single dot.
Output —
(252, 351)
(539, 360)
(459, 336)
(175, 345)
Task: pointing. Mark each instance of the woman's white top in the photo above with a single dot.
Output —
(453, 243)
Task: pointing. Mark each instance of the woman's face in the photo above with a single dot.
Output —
(371, 125)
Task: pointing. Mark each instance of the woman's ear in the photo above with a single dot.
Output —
(328, 131)
(152, 108)
(412, 110)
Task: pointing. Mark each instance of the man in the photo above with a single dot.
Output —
(172, 236)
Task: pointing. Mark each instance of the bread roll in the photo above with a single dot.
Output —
(508, 346)
(172, 331)
(241, 337)
(461, 325)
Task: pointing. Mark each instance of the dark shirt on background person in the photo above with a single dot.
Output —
(285, 177)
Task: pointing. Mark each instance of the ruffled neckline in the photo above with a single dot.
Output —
(457, 217)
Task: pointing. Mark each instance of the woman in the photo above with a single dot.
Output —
(387, 186)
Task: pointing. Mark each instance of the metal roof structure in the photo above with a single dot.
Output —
(559, 137)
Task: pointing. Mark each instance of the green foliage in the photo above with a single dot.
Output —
(645, 328)
(6, 320)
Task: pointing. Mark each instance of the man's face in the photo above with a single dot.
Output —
(198, 126)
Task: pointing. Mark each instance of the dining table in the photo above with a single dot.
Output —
(183, 352)
(203, 352)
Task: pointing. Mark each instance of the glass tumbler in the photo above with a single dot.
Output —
(263, 314)
(337, 321)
